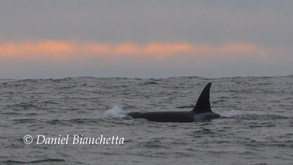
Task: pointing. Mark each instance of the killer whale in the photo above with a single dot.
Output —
(201, 111)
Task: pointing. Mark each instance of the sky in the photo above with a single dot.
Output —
(146, 39)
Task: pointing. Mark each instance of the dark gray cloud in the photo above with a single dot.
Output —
(261, 22)
(265, 23)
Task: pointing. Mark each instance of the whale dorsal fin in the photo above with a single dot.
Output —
(203, 102)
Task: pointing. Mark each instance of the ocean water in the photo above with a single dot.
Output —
(257, 127)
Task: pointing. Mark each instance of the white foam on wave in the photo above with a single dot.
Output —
(230, 113)
(115, 112)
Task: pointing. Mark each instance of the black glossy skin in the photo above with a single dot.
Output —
(174, 116)
(166, 116)
(201, 111)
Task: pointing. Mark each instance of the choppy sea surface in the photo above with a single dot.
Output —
(257, 127)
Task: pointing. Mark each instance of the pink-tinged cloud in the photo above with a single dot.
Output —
(67, 50)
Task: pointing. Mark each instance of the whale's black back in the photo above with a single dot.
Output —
(164, 116)
(201, 111)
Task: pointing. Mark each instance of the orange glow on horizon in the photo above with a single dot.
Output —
(66, 50)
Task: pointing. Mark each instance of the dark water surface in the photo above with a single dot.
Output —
(257, 129)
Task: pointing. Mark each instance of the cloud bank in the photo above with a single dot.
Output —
(68, 50)
(56, 59)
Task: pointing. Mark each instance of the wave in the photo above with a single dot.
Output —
(33, 162)
(115, 112)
